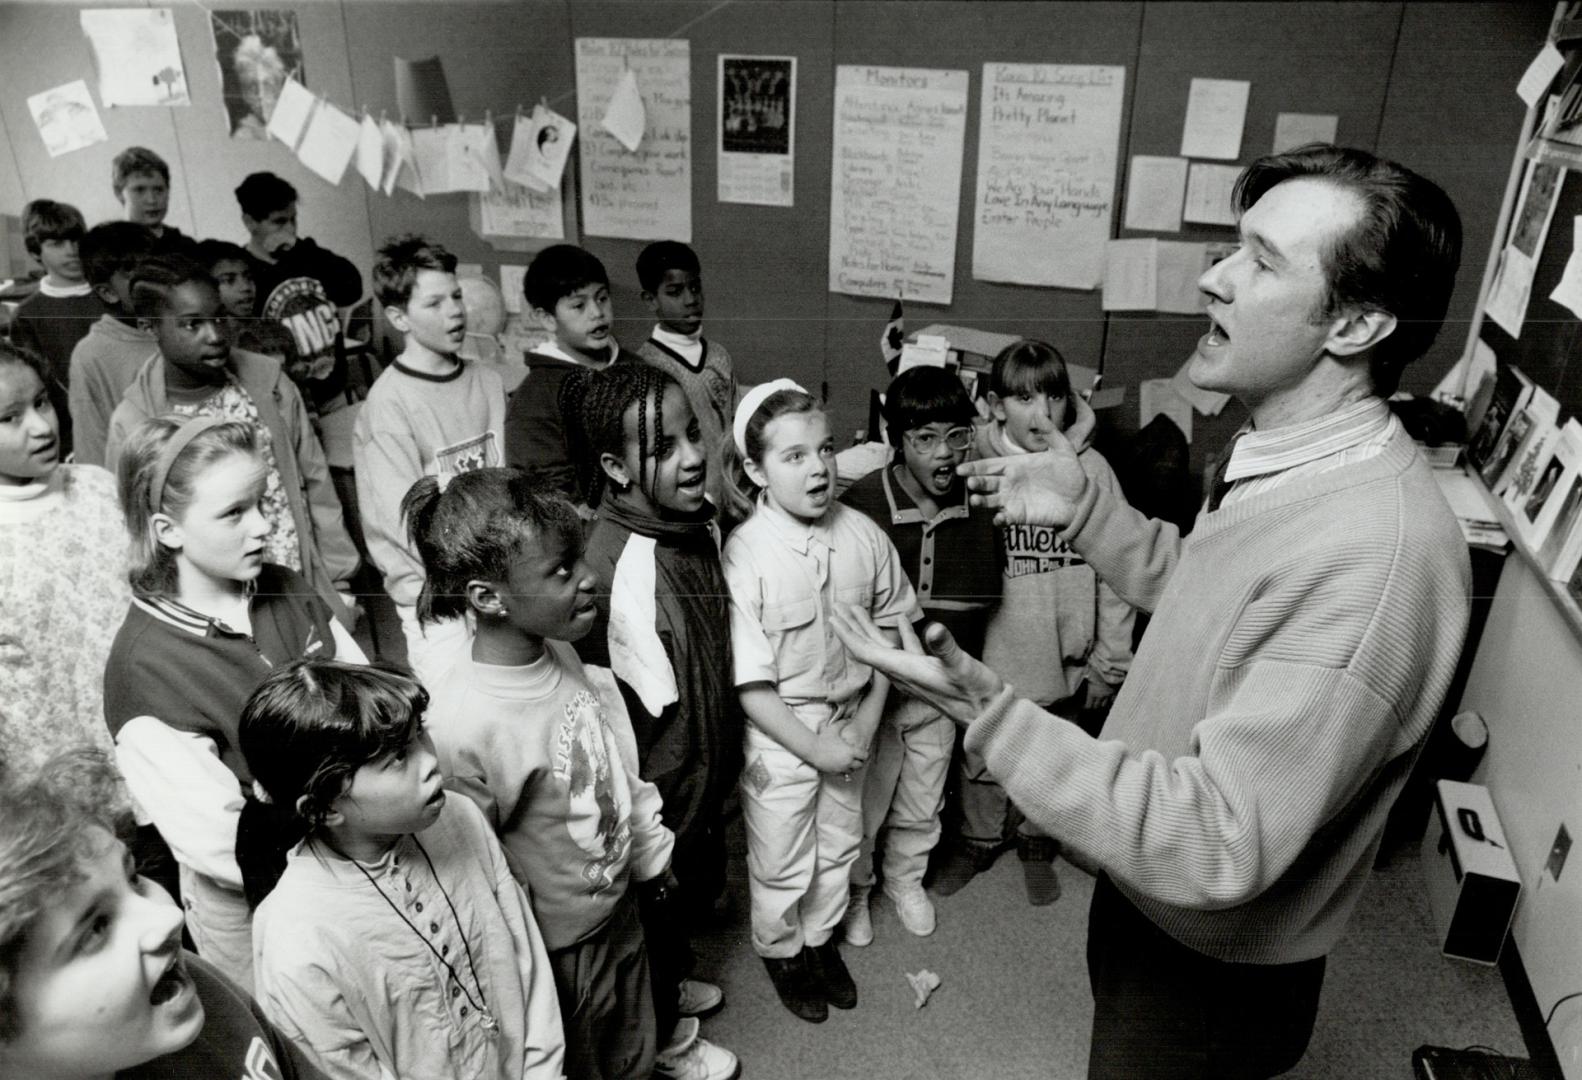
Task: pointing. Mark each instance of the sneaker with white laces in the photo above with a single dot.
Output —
(857, 924)
(692, 1057)
(914, 907)
(697, 998)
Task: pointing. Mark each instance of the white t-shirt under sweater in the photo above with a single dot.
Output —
(415, 425)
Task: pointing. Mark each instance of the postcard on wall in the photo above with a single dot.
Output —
(1048, 151)
(1154, 190)
(1216, 113)
(137, 56)
(66, 118)
(540, 145)
(642, 194)
(757, 129)
(257, 51)
(895, 188)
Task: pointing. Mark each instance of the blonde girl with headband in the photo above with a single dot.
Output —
(208, 620)
(811, 707)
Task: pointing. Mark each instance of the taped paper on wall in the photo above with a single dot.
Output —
(66, 118)
(1296, 129)
(137, 56)
(1208, 195)
(1216, 112)
(1131, 275)
(1154, 190)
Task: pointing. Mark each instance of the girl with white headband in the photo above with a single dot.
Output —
(209, 619)
(811, 707)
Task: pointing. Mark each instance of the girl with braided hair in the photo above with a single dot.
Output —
(663, 628)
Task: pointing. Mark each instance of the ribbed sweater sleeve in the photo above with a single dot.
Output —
(1131, 552)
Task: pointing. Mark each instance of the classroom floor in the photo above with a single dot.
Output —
(1014, 1002)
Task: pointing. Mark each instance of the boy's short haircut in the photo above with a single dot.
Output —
(400, 259)
(113, 247)
(132, 161)
(925, 395)
(46, 219)
(560, 270)
(48, 823)
(664, 255)
(212, 253)
(156, 278)
(262, 193)
(1030, 367)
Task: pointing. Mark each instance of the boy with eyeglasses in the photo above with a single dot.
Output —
(1061, 636)
(952, 555)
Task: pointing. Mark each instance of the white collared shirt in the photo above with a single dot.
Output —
(1264, 460)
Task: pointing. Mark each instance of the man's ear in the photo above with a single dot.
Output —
(615, 469)
(1358, 331)
(484, 598)
(396, 317)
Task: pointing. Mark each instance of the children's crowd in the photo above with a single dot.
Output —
(615, 587)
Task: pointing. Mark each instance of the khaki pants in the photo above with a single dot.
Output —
(904, 790)
(803, 831)
(220, 924)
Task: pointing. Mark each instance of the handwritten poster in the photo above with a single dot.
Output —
(644, 194)
(1048, 143)
(896, 181)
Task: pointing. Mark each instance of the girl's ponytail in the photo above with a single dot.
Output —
(417, 510)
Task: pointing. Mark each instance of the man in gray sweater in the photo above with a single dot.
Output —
(1302, 639)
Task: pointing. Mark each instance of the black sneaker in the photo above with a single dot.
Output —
(963, 861)
(830, 974)
(798, 986)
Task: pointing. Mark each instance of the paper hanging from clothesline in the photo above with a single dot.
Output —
(625, 117)
(292, 109)
(540, 145)
(66, 118)
(1048, 146)
(644, 194)
(137, 56)
(370, 152)
(400, 169)
(329, 143)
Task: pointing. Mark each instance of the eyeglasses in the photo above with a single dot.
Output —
(926, 441)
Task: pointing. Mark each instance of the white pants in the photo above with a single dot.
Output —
(904, 790)
(432, 649)
(803, 831)
(220, 925)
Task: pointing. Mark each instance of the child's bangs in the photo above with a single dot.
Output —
(1043, 377)
(382, 713)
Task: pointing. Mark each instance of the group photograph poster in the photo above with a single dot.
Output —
(757, 151)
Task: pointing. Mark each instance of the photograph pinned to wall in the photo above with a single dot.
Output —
(137, 56)
(757, 129)
(257, 52)
(540, 145)
(66, 118)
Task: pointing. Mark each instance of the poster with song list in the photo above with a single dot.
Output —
(896, 181)
(642, 194)
(1048, 141)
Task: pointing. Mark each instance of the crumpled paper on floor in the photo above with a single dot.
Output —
(924, 983)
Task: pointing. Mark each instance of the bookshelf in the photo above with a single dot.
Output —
(1564, 602)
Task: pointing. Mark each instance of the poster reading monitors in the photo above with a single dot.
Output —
(895, 181)
(1048, 144)
(257, 52)
(642, 194)
(757, 151)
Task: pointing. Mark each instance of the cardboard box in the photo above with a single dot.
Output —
(1472, 882)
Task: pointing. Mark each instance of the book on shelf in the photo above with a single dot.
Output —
(1512, 390)
(1536, 516)
(1531, 456)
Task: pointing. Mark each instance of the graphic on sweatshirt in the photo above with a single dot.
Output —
(1037, 549)
(261, 1063)
(599, 815)
(469, 455)
(304, 309)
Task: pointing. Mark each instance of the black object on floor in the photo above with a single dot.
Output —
(798, 986)
(1443, 1063)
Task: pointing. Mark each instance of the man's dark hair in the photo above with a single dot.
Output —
(560, 270)
(1401, 257)
(262, 193)
(398, 264)
(925, 395)
(662, 255)
(46, 219)
(112, 248)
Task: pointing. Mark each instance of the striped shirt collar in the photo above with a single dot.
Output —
(1260, 453)
(170, 610)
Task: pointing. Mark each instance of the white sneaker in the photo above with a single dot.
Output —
(692, 1057)
(857, 922)
(697, 997)
(914, 907)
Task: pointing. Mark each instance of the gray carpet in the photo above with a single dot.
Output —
(1014, 1003)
